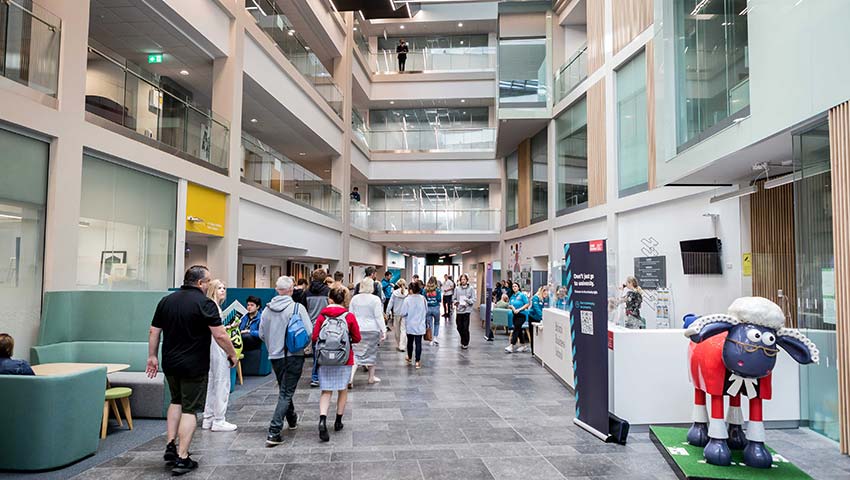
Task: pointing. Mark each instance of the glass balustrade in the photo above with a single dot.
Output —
(265, 166)
(125, 94)
(29, 45)
(571, 74)
(427, 220)
(281, 31)
(434, 140)
(453, 59)
(358, 128)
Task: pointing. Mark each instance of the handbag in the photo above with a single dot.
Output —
(429, 334)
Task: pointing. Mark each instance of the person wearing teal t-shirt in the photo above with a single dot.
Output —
(535, 315)
(519, 305)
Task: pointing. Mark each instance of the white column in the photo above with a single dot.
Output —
(341, 166)
(66, 151)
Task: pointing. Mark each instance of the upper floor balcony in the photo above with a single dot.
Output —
(571, 74)
(434, 60)
(29, 48)
(296, 50)
(274, 172)
(434, 220)
(433, 140)
(153, 109)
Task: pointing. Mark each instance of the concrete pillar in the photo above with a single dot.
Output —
(341, 167)
(66, 151)
(223, 253)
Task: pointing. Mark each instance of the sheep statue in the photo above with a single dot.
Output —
(731, 355)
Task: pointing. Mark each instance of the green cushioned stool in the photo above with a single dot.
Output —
(112, 396)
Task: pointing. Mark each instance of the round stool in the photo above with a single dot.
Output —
(112, 396)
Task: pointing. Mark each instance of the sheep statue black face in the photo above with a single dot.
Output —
(731, 355)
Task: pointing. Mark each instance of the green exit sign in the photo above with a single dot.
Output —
(155, 58)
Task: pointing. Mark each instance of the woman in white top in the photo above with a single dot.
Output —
(394, 308)
(369, 311)
(413, 311)
(218, 383)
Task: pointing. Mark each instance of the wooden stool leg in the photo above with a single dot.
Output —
(239, 371)
(125, 405)
(105, 419)
(114, 405)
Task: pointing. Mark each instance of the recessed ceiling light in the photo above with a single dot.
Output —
(327, 171)
(462, 100)
(459, 24)
(355, 29)
(184, 72)
(401, 27)
(291, 33)
(392, 102)
(253, 120)
(301, 154)
(461, 42)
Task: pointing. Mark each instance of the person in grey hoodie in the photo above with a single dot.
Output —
(464, 299)
(316, 299)
(287, 365)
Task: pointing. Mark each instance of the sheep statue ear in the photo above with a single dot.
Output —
(709, 326)
(801, 349)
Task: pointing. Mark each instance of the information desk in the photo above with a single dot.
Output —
(648, 380)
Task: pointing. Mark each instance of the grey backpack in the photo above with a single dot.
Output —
(334, 345)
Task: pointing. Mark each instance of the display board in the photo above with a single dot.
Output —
(586, 278)
(651, 272)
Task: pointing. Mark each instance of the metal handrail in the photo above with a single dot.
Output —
(206, 113)
(572, 59)
(36, 16)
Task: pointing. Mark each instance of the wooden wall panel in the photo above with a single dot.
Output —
(650, 113)
(595, 35)
(773, 246)
(596, 158)
(524, 184)
(631, 17)
(839, 158)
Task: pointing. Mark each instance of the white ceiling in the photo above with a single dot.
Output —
(512, 132)
(132, 29)
(282, 130)
(432, 247)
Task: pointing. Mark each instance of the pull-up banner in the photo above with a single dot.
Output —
(586, 281)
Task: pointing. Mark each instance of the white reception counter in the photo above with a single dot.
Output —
(648, 373)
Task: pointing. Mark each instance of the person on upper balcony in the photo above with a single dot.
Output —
(402, 51)
(355, 194)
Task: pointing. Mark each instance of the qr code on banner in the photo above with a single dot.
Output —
(587, 322)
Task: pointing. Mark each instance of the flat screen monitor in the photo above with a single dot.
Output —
(702, 256)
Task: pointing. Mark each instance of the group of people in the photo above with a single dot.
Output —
(526, 312)
(341, 328)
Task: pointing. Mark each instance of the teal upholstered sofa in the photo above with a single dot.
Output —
(104, 327)
(50, 421)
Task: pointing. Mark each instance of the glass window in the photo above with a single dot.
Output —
(127, 228)
(23, 193)
(571, 131)
(816, 278)
(539, 177)
(512, 197)
(632, 147)
(712, 66)
(522, 72)
(422, 43)
(428, 118)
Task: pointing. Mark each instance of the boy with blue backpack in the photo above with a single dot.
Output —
(286, 330)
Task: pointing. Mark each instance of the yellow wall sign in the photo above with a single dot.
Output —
(747, 264)
(205, 210)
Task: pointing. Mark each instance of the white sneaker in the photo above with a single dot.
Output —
(223, 426)
(435, 343)
(206, 424)
(523, 348)
(509, 349)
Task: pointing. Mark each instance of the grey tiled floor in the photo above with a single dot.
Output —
(468, 415)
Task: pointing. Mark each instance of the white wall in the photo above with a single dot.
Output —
(261, 224)
(669, 223)
(362, 251)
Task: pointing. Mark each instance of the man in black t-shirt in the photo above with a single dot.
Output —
(189, 321)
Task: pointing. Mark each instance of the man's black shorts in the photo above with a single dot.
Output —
(189, 393)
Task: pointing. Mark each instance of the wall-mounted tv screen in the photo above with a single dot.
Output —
(702, 256)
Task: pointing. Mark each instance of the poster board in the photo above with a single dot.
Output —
(585, 265)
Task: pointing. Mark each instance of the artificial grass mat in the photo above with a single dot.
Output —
(688, 462)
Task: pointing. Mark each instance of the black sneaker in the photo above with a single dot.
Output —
(183, 466)
(170, 453)
(293, 422)
(314, 383)
(273, 440)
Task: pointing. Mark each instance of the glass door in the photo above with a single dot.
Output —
(816, 278)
